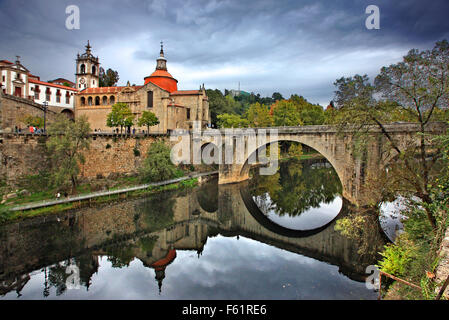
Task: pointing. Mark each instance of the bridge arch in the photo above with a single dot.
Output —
(323, 149)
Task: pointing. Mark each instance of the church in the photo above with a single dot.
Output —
(175, 109)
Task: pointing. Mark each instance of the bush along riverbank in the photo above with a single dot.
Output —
(415, 255)
(418, 255)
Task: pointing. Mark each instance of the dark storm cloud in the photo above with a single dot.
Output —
(287, 46)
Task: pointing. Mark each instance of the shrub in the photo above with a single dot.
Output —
(157, 166)
(395, 260)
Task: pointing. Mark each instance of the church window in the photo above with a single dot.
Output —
(94, 69)
(47, 94)
(89, 101)
(97, 101)
(112, 100)
(83, 69)
(105, 100)
(83, 101)
(150, 99)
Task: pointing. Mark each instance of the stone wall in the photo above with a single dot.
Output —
(13, 111)
(25, 154)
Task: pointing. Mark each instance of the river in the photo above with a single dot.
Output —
(272, 237)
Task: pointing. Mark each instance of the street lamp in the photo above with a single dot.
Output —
(45, 105)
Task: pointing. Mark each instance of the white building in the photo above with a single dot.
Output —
(17, 80)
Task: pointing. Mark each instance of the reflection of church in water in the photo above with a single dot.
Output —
(153, 230)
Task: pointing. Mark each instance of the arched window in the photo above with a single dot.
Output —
(83, 68)
(83, 101)
(105, 100)
(94, 69)
(97, 101)
(111, 100)
(89, 101)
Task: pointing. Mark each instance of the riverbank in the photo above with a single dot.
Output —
(33, 209)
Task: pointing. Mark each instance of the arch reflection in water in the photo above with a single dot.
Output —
(302, 195)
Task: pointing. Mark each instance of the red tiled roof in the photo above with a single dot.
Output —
(171, 255)
(51, 85)
(106, 89)
(6, 61)
(186, 92)
(161, 73)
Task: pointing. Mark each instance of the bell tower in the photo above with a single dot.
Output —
(87, 70)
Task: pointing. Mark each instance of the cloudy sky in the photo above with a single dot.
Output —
(297, 46)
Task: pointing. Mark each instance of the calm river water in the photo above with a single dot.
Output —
(270, 238)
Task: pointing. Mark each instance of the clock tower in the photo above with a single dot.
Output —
(87, 70)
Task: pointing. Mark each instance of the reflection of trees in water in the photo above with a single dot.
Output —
(207, 196)
(295, 188)
(57, 275)
(157, 212)
(362, 225)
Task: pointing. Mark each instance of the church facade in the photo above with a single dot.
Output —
(175, 109)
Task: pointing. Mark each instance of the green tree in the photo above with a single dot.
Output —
(258, 115)
(108, 78)
(148, 119)
(120, 116)
(286, 113)
(66, 146)
(415, 89)
(34, 121)
(157, 166)
(277, 96)
(227, 120)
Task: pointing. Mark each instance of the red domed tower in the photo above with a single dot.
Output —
(161, 77)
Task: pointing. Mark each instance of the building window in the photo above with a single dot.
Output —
(83, 101)
(97, 101)
(111, 100)
(47, 94)
(58, 96)
(37, 92)
(67, 98)
(150, 99)
(94, 69)
(105, 100)
(83, 69)
(89, 101)
(3, 78)
(188, 114)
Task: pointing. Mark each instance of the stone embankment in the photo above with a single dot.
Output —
(443, 268)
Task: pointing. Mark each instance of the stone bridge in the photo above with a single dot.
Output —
(338, 147)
